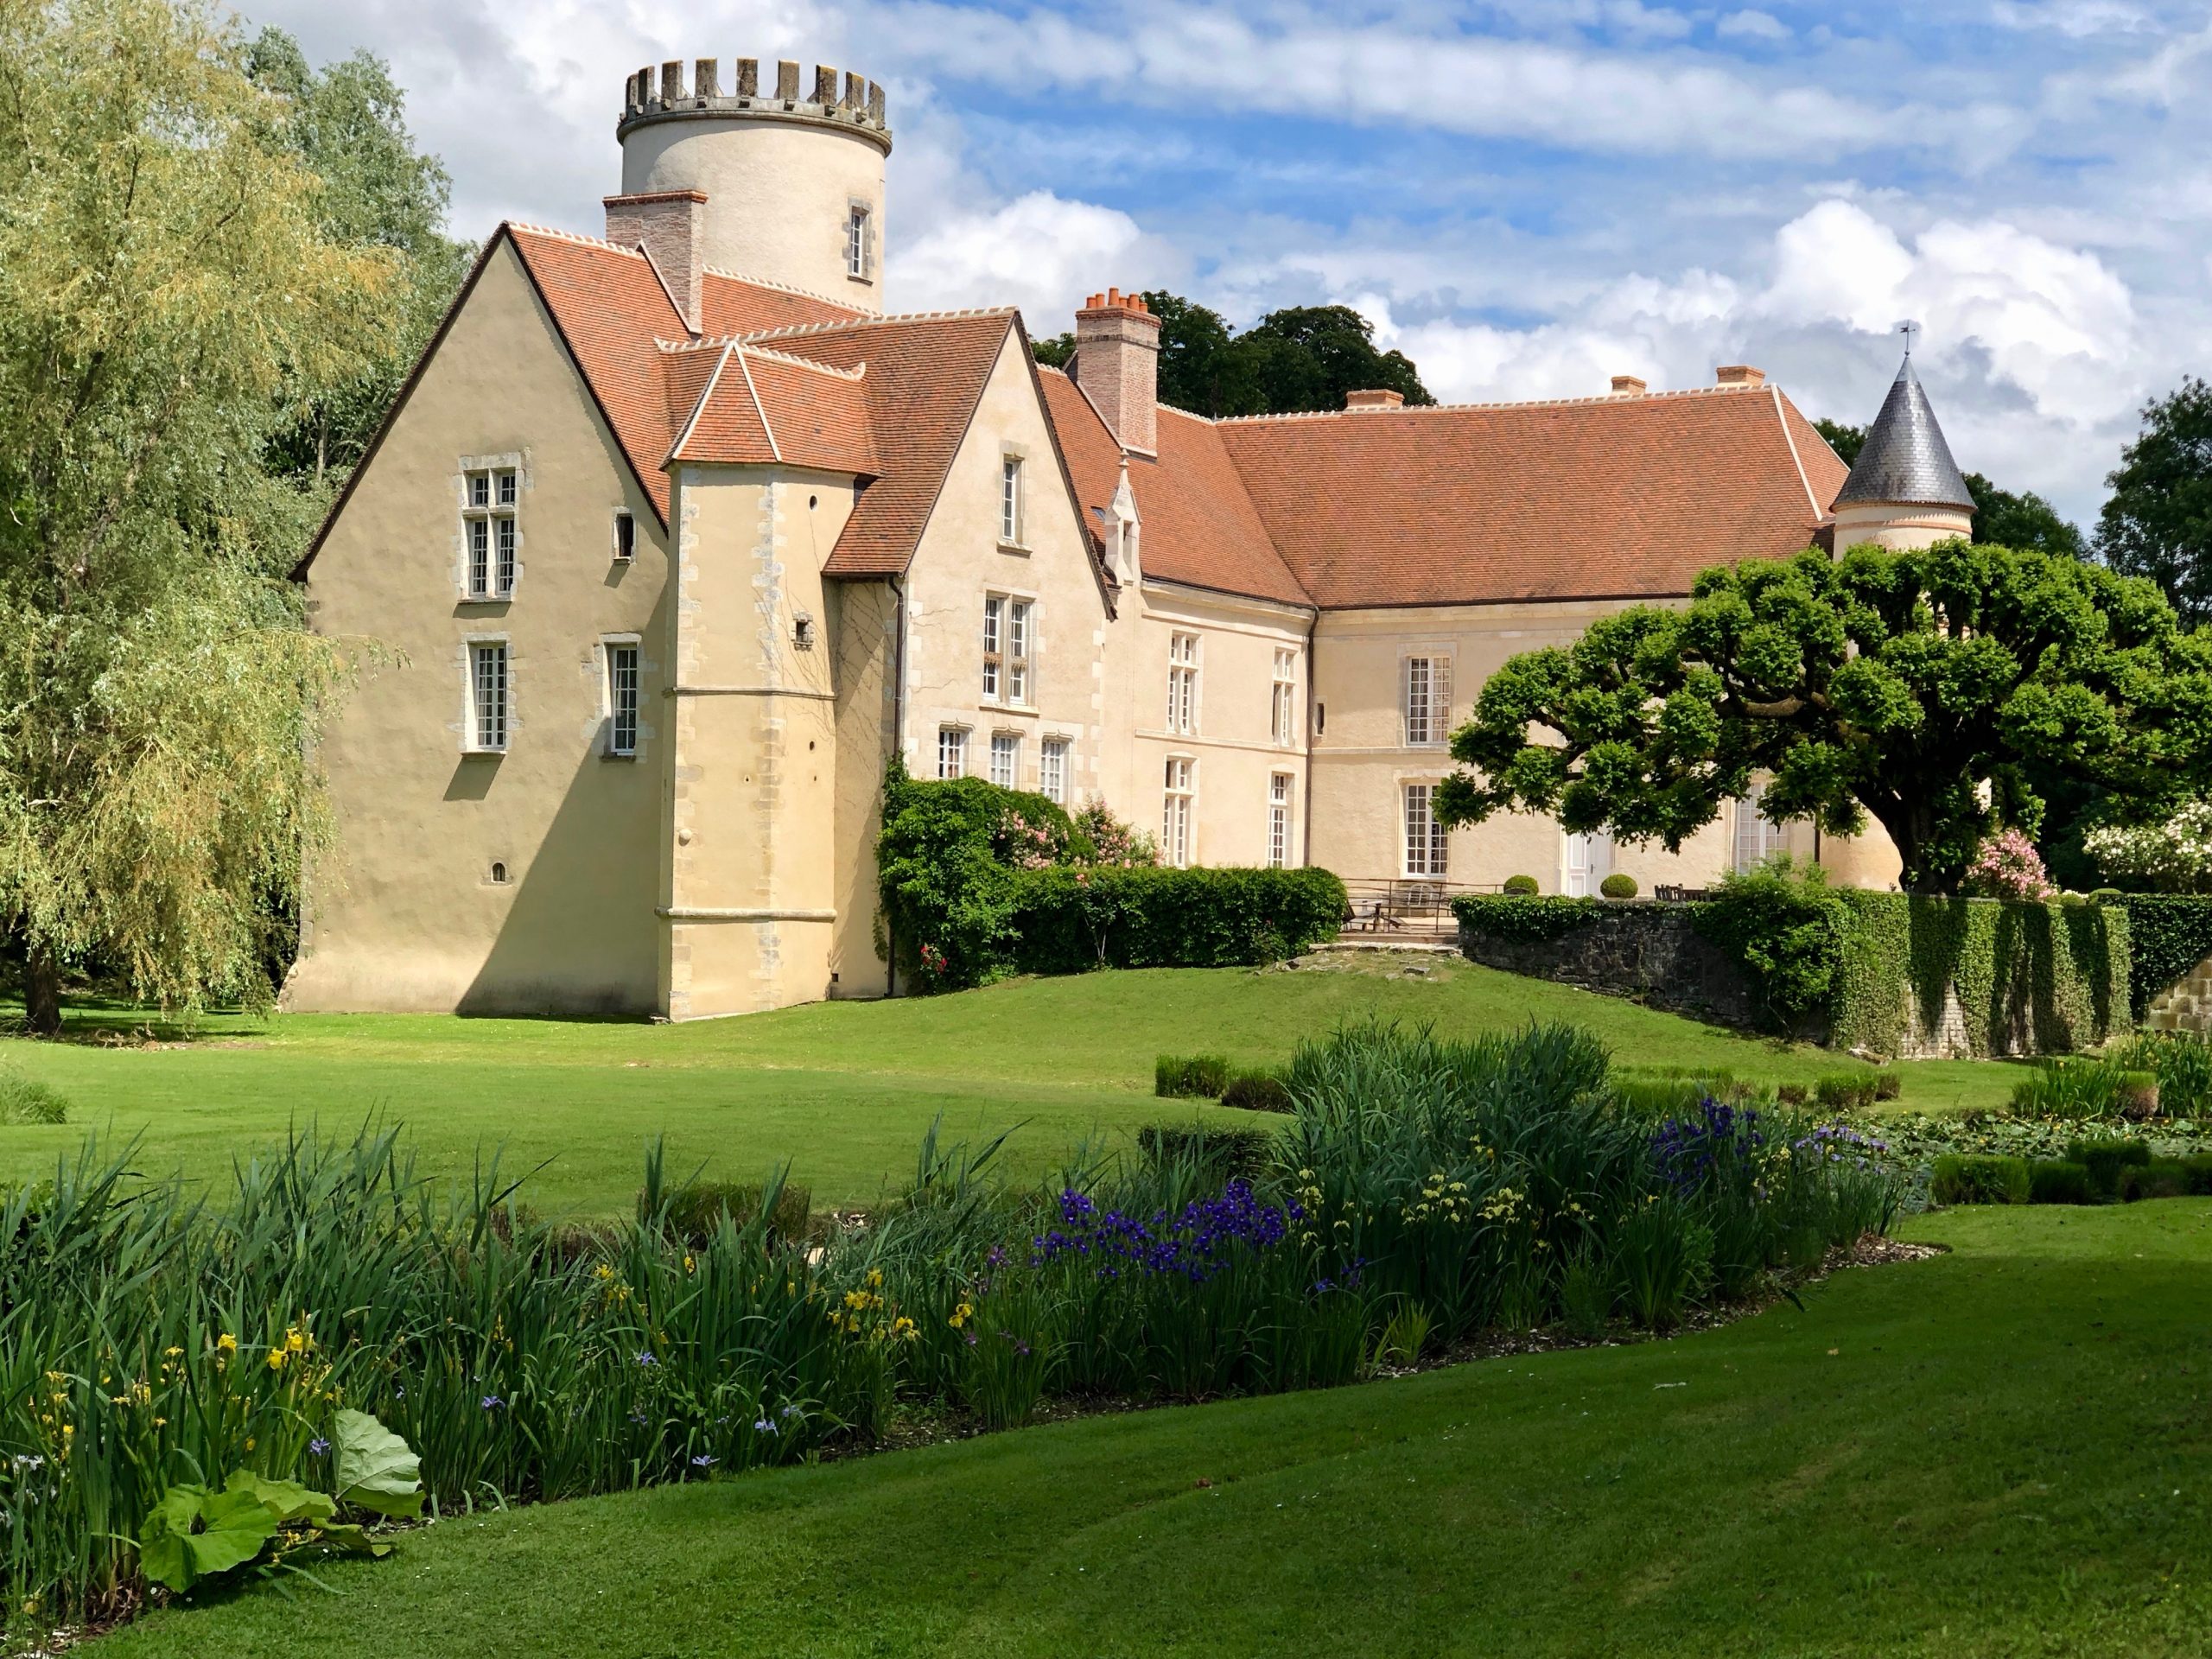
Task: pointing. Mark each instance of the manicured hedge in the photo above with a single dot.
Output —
(2061, 968)
(1525, 915)
(979, 881)
(1978, 1178)
(2168, 935)
(1068, 919)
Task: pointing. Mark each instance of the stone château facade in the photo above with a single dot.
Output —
(674, 538)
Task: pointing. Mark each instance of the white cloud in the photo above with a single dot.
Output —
(1751, 25)
(2034, 353)
(1572, 95)
(2054, 321)
(2076, 18)
(1040, 251)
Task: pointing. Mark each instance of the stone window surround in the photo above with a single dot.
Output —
(1019, 455)
(998, 700)
(870, 259)
(604, 658)
(513, 460)
(468, 727)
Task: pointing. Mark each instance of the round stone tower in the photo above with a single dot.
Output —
(793, 185)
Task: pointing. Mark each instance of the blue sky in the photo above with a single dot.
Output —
(1525, 197)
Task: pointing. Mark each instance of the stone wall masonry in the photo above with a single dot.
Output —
(2186, 1006)
(1642, 949)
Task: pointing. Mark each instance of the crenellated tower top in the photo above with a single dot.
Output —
(852, 104)
(755, 181)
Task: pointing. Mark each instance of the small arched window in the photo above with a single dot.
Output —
(498, 874)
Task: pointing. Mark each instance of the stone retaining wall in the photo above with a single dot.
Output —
(1635, 948)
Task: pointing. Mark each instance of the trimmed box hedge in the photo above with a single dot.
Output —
(1066, 920)
(978, 882)
(1978, 1178)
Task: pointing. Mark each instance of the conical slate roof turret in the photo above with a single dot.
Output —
(1905, 460)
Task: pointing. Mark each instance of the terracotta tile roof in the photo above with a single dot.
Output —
(1588, 497)
(737, 305)
(753, 406)
(610, 306)
(1594, 497)
(818, 413)
(687, 373)
(1199, 526)
(925, 375)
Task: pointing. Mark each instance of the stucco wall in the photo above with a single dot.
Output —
(751, 905)
(960, 559)
(403, 913)
(777, 193)
(1233, 753)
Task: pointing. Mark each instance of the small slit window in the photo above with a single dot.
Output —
(621, 697)
(625, 537)
(856, 240)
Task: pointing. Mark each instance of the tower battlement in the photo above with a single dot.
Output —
(851, 103)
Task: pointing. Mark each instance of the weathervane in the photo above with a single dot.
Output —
(1908, 328)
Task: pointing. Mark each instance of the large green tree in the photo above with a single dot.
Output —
(347, 123)
(1297, 360)
(2000, 517)
(2157, 521)
(1926, 690)
(171, 298)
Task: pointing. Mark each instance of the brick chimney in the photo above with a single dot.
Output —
(1117, 365)
(1628, 386)
(1380, 397)
(667, 223)
(1740, 374)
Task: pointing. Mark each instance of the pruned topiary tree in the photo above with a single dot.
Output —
(1931, 691)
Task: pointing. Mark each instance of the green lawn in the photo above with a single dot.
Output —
(843, 1090)
(2003, 1451)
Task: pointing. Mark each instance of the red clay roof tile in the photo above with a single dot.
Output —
(1595, 498)
(1199, 525)
(611, 308)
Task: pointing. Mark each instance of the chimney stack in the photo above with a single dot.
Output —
(1380, 397)
(1628, 386)
(1740, 374)
(1117, 365)
(667, 225)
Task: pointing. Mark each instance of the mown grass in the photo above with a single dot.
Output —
(2001, 1451)
(843, 1090)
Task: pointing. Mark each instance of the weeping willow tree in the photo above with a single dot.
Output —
(170, 298)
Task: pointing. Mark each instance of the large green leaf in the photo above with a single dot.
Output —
(193, 1533)
(376, 1469)
(348, 1539)
(285, 1499)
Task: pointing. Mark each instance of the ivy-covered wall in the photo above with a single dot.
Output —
(2168, 935)
(1926, 976)
(1916, 976)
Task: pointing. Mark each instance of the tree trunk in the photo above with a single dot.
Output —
(42, 989)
